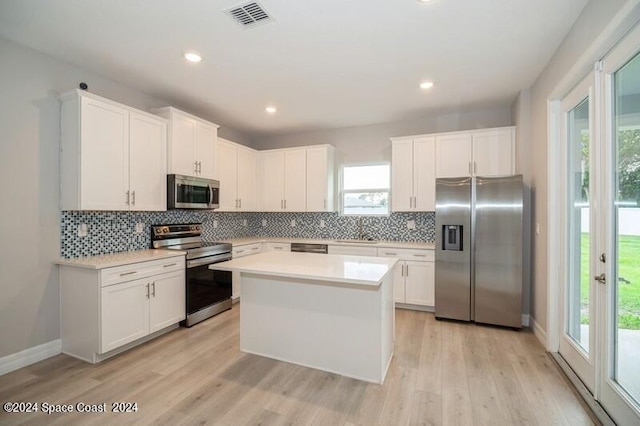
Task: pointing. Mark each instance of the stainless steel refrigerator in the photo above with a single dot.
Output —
(479, 237)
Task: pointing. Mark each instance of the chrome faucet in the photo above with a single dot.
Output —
(360, 233)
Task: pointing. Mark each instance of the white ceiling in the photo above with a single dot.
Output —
(324, 63)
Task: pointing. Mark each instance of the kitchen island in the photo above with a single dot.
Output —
(330, 312)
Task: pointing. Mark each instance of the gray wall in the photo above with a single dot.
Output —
(371, 143)
(29, 216)
(595, 16)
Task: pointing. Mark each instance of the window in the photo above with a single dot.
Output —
(365, 189)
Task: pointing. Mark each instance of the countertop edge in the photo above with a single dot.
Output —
(113, 260)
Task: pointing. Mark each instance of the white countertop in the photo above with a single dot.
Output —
(386, 244)
(359, 270)
(119, 259)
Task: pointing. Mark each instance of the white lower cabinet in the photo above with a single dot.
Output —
(414, 276)
(105, 309)
(241, 251)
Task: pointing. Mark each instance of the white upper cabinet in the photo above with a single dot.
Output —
(454, 155)
(487, 152)
(413, 174)
(237, 172)
(320, 178)
(247, 179)
(494, 152)
(113, 157)
(283, 180)
(192, 144)
(295, 180)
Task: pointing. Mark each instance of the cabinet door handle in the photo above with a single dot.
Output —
(133, 198)
(277, 248)
(236, 203)
(407, 270)
(282, 204)
(402, 273)
(128, 196)
(420, 255)
(195, 167)
(240, 251)
(153, 284)
(169, 265)
(127, 273)
(239, 203)
(254, 248)
(391, 254)
(285, 204)
(147, 290)
(199, 166)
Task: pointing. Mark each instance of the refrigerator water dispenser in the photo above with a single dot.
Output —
(452, 237)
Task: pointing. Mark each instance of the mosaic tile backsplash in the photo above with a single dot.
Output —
(110, 232)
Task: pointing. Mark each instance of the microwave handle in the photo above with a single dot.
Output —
(210, 195)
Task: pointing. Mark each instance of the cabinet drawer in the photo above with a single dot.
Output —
(277, 247)
(246, 250)
(352, 250)
(134, 271)
(408, 254)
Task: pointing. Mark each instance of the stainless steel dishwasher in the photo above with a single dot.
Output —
(309, 248)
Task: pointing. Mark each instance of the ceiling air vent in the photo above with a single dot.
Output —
(249, 14)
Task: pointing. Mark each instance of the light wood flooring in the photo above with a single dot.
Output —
(442, 373)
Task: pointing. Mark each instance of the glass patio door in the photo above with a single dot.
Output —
(620, 222)
(578, 336)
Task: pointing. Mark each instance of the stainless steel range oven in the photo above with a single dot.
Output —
(208, 292)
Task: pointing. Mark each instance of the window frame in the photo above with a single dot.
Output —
(342, 191)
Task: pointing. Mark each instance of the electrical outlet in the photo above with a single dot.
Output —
(215, 223)
(244, 222)
(322, 225)
(293, 223)
(82, 230)
(139, 228)
(264, 222)
(411, 224)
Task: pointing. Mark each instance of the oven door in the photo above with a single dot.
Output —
(206, 287)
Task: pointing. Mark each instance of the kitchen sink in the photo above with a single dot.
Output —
(356, 241)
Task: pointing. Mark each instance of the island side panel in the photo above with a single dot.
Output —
(388, 324)
(331, 327)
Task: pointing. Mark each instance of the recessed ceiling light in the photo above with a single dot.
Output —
(424, 1)
(271, 109)
(192, 57)
(426, 85)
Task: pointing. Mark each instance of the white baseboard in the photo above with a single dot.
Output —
(539, 332)
(525, 320)
(29, 356)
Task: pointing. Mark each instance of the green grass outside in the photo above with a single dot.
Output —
(628, 290)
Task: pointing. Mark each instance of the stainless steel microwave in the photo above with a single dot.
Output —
(188, 192)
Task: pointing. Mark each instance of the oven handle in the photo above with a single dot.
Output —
(208, 260)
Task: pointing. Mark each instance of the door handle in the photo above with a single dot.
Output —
(602, 278)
